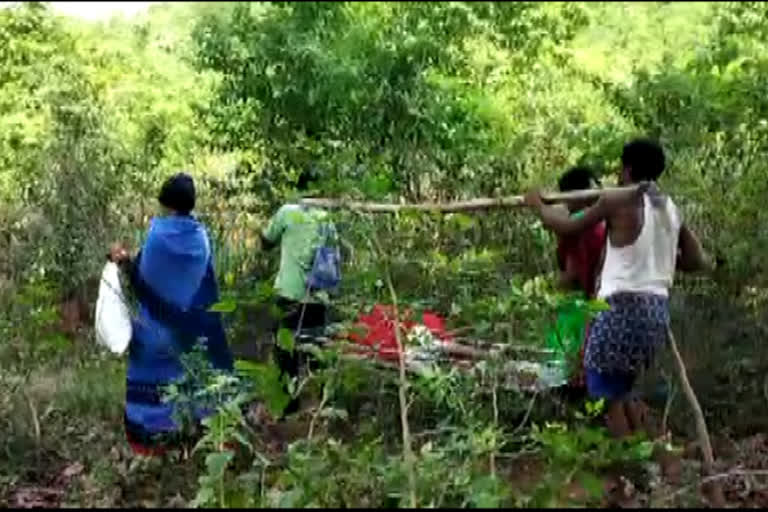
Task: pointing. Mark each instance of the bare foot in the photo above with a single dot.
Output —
(671, 464)
(616, 420)
(639, 416)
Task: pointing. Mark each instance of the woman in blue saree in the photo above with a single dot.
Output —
(173, 279)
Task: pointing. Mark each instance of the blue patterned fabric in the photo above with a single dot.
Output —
(623, 341)
(174, 280)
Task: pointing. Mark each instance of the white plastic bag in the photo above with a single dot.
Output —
(113, 319)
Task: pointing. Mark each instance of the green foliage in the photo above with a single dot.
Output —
(362, 473)
(285, 340)
(84, 132)
(268, 384)
(398, 77)
(580, 454)
(32, 314)
(199, 388)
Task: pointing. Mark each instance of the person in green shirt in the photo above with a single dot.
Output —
(296, 229)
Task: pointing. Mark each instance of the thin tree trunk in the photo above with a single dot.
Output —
(408, 455)
(403, 398)
(713, 489)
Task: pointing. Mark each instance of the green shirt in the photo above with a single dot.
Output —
(297, 229)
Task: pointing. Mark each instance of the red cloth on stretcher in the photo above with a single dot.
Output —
(378, 329)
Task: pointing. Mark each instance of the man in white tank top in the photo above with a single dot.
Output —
(647, 240)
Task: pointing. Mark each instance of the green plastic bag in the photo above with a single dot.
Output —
(567, 336)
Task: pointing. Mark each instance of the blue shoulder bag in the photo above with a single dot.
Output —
(326, 267)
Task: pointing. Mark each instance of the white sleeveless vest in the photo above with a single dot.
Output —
(648, 264)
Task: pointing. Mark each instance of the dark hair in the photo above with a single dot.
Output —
(577, 178)
(307, 178)
(644, 158)
(178, 193)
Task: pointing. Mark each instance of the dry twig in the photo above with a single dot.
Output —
(715, 478)
(708, 465)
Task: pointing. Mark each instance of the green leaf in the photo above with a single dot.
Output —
(598, 305)
(376, 186)
(225, 306)
(486, 492)
(217, 463)
(595, 408)
(290, 499)
(591, 436)
(242, 440)
(463, 222)
(643, 450)
(247, 367)
(316, 352)
(268, 384)
(285, 340)
(275, 311)
(205, 495)
(591, 483)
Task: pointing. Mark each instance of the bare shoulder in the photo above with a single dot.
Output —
(624, 197)
(624, 212)
(625, 221)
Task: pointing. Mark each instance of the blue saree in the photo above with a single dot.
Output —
(174, 282)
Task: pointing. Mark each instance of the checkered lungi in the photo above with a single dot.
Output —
(623, 341)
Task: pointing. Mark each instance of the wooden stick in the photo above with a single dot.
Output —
(459, 206)
(451, 349)
(715, 491)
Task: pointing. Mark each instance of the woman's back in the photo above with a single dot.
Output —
(176, 286)
(175, 257)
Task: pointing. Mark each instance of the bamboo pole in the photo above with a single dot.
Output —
(460, 206)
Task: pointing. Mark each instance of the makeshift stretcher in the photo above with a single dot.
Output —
(427, 343)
